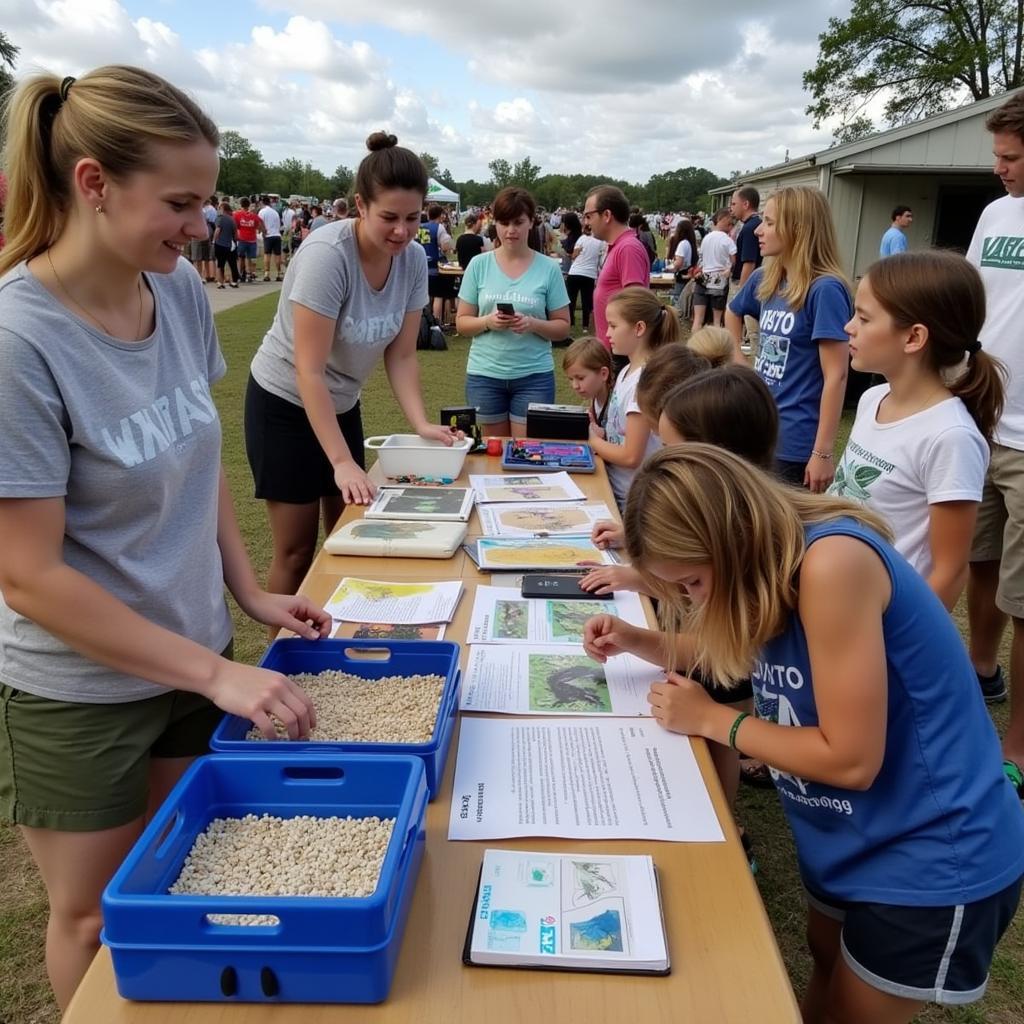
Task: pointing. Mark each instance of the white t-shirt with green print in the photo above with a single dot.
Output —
(997, 250)
(899, 469)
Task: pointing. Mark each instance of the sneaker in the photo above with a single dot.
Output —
(220, 286)
(278, 278)
(233, 284)
(993, 687)
(266, 277)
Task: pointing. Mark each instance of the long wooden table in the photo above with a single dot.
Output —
(726, 967)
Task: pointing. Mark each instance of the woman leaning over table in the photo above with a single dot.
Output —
(353, 293)
(510, 362)
(118, 530)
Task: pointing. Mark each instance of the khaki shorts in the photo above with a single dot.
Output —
(999, 533)
(751, 328)
(85, 767)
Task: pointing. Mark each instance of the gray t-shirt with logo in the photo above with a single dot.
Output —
(325, 275)
(128, 435)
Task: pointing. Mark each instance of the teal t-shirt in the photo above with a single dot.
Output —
(538, 292)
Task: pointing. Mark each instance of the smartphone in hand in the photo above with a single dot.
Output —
(505, 308)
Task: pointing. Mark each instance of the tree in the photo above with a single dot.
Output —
(922, 57)
(8, 54)
(525, 174)
(341, 181)
(431, 163)
(501, 173)
(241, 166)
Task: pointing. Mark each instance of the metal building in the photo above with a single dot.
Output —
(941, 167)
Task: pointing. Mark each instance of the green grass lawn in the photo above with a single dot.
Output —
(24, 992)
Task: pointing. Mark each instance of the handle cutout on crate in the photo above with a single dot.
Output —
(300, 773)
(255, 924)
(368, 653)
(169, 834)
(269, 984)
(229, 982)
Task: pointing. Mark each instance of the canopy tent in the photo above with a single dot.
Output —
(437, 193)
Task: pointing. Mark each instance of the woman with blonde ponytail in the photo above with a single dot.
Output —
(919, 448)
(910, 840)
(115, 635)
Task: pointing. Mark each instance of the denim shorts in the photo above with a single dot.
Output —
(247, 250)
(497, 398)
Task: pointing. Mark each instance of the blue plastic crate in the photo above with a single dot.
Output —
(407, 657)
(323, 950)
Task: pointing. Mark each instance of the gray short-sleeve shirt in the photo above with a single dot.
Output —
(325, 275)
(127, 433)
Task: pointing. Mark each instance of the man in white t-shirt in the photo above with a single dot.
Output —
(271, 238)
(716, 256)
(996, 586)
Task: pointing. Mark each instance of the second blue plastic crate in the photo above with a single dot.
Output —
(293, 655)
(340, 949)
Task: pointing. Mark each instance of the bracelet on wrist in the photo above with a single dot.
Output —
(827, 456)
(735, 728)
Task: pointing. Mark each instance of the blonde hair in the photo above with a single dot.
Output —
(114, 114)
(641, 305)
(697, 504)
(807, 235)
(713, 343)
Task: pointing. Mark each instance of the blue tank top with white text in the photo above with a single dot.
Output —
(940, 825)
(427, 237)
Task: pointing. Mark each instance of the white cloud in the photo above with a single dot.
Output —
(629, 91)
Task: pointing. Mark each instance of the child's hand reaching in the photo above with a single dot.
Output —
(607, 534)
(610, 578)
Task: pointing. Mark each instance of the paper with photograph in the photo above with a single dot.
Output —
(588, 911)
(549, 680)
(501, 554)
(534, 519)
(525, 487)
(501, 615)
(377, 601)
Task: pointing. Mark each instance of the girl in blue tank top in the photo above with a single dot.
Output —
(910, 838)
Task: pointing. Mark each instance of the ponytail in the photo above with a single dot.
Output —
(33, 214)
(640, 305)
(982, 389)
(114, 114)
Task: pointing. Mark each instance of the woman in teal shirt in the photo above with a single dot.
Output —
(510, 363)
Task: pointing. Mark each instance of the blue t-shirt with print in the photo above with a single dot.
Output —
(941, 824)
(787, 357)
(893, 241)
(503, 354)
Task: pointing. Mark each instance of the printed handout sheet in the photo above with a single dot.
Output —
(378, 601)
(600, 778)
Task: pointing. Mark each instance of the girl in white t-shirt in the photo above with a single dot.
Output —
(588, 365)
(638, 324)
(919, 447)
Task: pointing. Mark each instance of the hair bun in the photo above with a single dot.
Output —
(381, 140)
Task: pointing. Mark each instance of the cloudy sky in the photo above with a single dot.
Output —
(627, 89)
